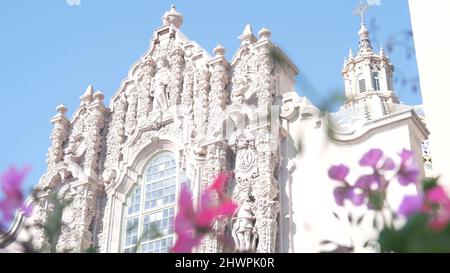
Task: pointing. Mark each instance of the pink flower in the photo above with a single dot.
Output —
(440, 208)
(408, 172)
(338, 172)
(191, 225)
(435, 203)
(437, 195)
(11, 184)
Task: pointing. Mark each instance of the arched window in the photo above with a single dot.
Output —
(376, 82)
(150, 208)
(362, 83)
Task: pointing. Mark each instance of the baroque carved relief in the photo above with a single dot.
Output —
(176, 91)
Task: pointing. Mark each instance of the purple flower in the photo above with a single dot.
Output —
(11, 184)
(338, 172)
(410, 205)
(408, 172)
(365, 182)
(371, 158)
(388, 164)
(342, 193)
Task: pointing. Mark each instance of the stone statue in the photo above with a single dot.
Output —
(244, 232)
(160, 100)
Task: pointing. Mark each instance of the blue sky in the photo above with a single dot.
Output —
(51, 51)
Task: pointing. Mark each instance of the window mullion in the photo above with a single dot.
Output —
(141, 183)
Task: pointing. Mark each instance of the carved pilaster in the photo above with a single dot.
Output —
(176, 62)
(96, 122)
(201, 102)
(265, 192)
(187, 101)
(144, 81)
(246, 170)
(216, 163)
(266, 79)
(116, 133)
(130, 122)
(76, 235)
(43, 210)
(218, 95)
(59, 136)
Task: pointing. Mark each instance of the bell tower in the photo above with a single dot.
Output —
(368, 76)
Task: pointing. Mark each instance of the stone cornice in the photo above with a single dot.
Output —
(360, 134)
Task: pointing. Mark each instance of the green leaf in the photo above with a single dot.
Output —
(377, 198)
(91, 250)
(415, 237)
(429, 183)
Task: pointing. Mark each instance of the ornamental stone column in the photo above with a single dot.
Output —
(95, 124)
(144, 84)
(265, 189)
(201, 101)
(216, 161)
(59, 136)
(176, 61)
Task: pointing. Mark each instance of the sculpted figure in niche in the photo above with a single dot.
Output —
(244, 231)
(240, 86)
(159, 93)
(76, 148)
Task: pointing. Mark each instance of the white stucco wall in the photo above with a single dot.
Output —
(312, 190)
(430, 23)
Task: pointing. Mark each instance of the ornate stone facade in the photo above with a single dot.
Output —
(213, 115)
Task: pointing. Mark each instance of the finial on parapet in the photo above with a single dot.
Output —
(98, 96)
(61, 109)
(382, 53)
(264, 34)
(219, 50)
(247, 36)
(350, 53)
(87, 95)
(172, 17)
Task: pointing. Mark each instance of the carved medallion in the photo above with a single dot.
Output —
(245, 160)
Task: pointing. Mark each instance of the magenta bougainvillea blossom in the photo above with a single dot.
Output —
(434, 202)
(190, 224)
(13, 197)
(372, 187)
